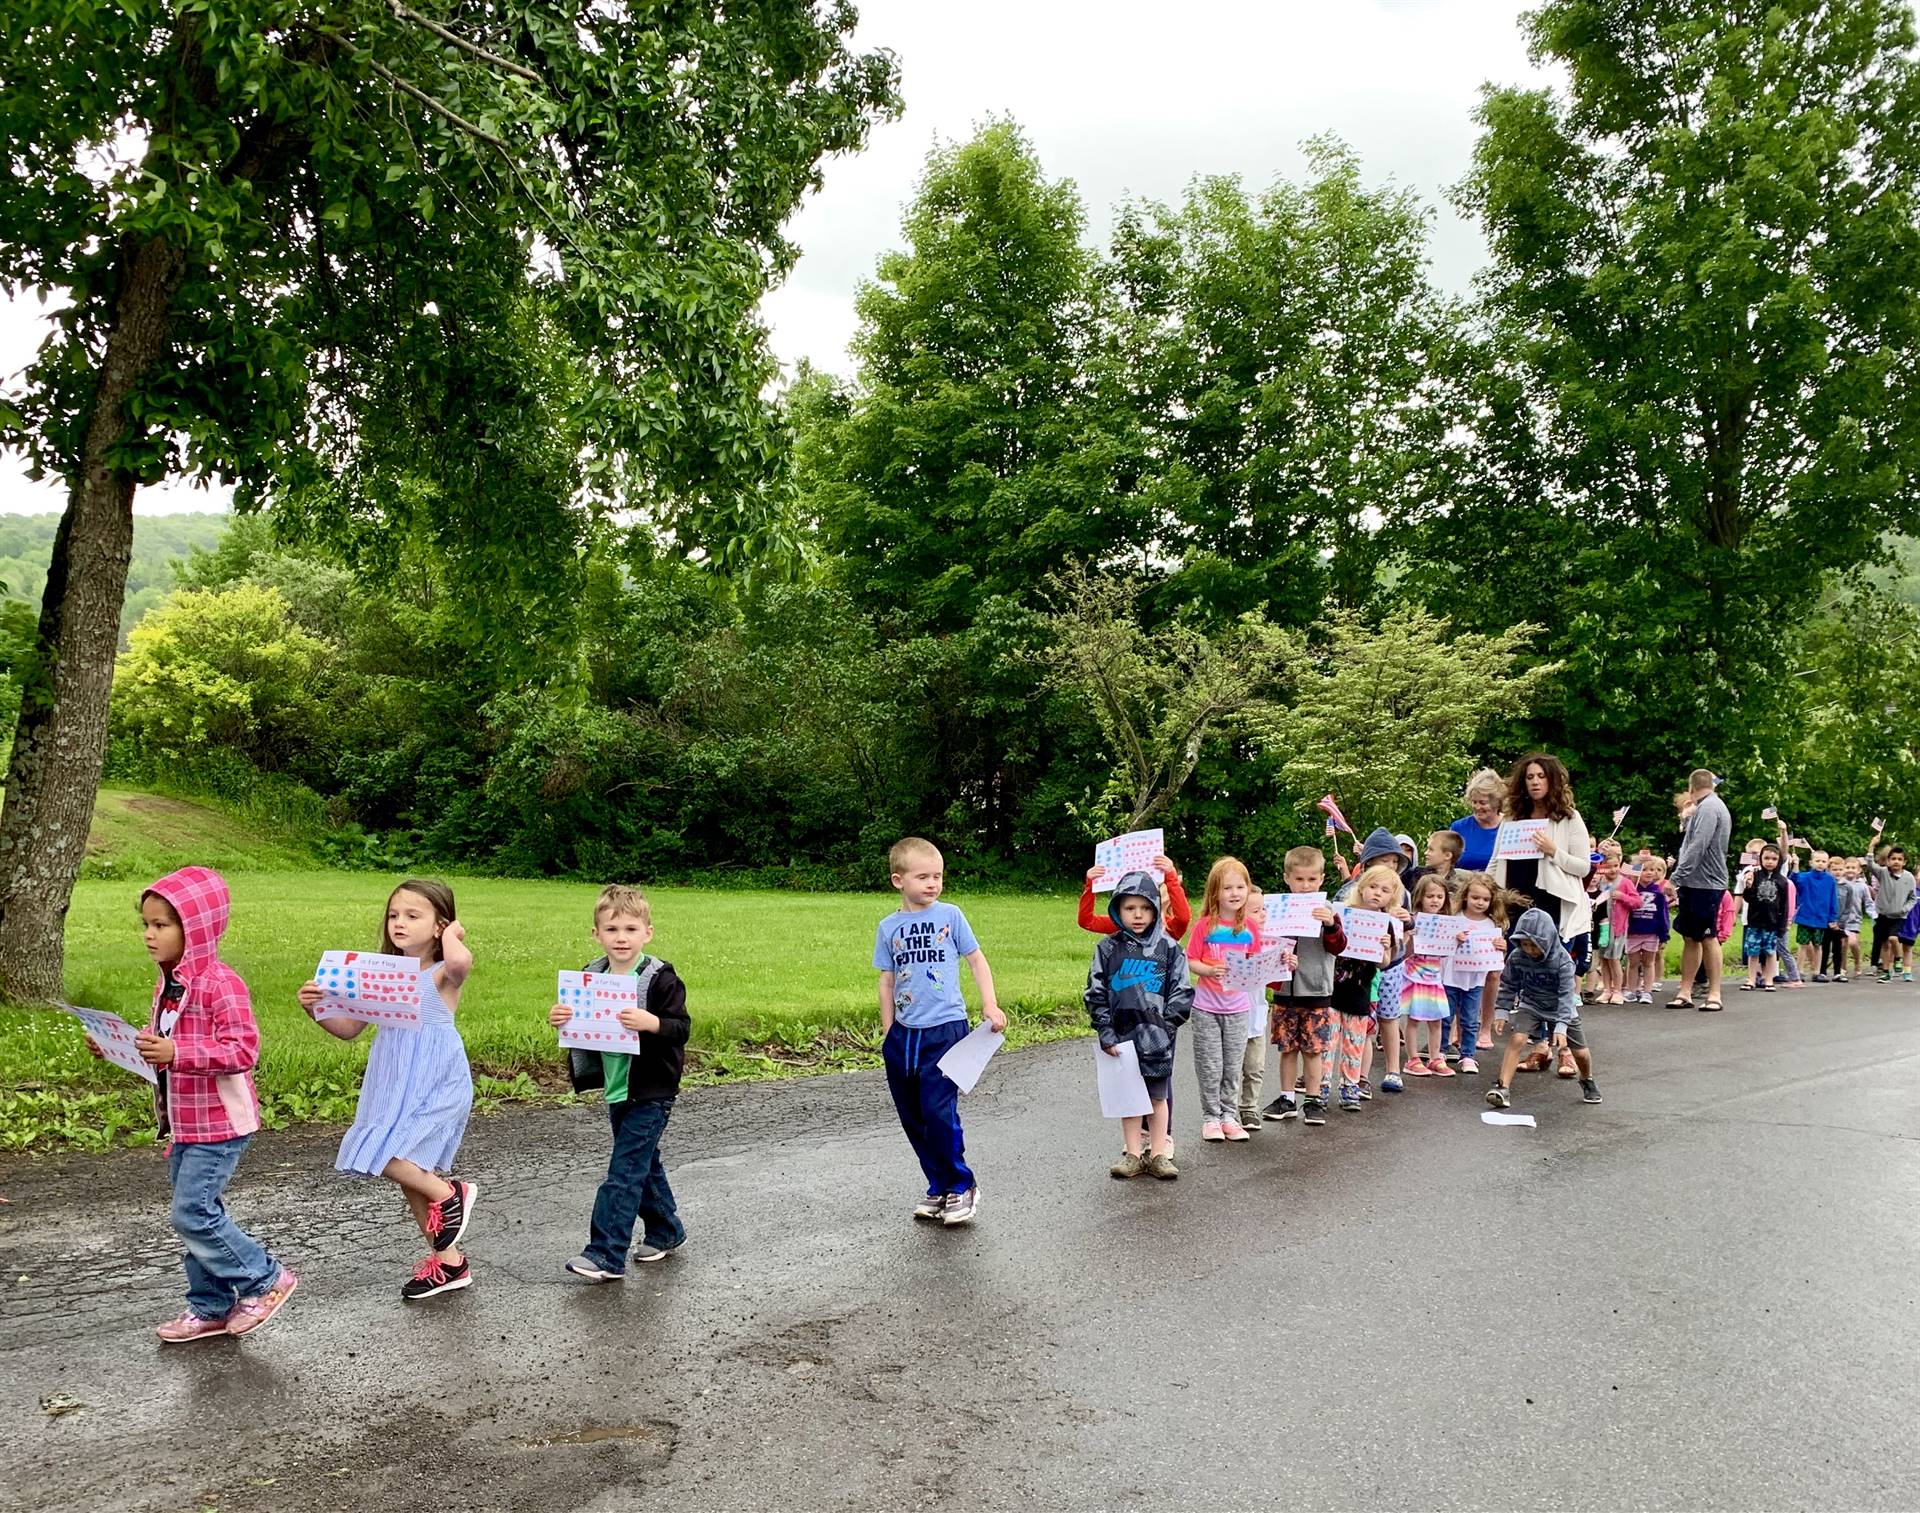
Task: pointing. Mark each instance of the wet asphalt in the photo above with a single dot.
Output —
(1700, 1294)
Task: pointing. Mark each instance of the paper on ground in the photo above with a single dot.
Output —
(967, 1058)
(1132, 852)
(595, 1000)
(1490, 1117)
(1123, 1091)
(114, 1036)
(371, 987)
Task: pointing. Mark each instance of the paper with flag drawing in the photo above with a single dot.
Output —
(1369, 934)
(1515, 841)
(368, 986)
(1480, 951)
(595, 999)
(1292, 914)
(1251, 971)
(1435, 934)
(113, 1037)
(1132, 852)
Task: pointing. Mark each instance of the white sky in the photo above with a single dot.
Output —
(1125, 98)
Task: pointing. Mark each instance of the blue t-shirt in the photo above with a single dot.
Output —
(923, 949)
(1478, 855)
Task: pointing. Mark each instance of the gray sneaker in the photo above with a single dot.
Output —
(1162, 1166)
(580, 1266)
(931, 1206)
(1589, 1091)
(961, 1208)
(1497, 1096)
(647, 1253)
(1130, 1164)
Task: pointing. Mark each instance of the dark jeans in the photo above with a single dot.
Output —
(636, 1186)
(224, 1262)
(929, 1103)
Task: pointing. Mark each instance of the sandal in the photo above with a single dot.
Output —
(1711, 1006)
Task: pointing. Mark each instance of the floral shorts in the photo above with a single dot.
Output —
(1304, 1028)
(1757, 943)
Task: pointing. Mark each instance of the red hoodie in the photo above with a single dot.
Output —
(207, 1093)
(1179, 911)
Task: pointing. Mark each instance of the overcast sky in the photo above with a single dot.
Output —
(1127, 99)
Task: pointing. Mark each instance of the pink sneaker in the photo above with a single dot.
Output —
(1233, 1129)
(1211, 1130)
(190, 1326)
(1469, 1067)
(250, 1313)
(1439, 1068)
(1417, 1068)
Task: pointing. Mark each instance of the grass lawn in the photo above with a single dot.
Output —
(777, 983)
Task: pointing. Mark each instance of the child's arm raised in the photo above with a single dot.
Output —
(456, 961)
(976, 961)
(336, 1025)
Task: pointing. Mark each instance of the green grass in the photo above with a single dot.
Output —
(778, 983)
(138, 836)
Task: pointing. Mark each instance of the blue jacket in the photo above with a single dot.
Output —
(1819, 902)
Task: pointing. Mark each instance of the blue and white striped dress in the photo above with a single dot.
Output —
(416, 1095)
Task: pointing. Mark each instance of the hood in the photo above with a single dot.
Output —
(1537, 926)
(1136, 885)
(1405, 843)
(1379, 843)
(199, 897)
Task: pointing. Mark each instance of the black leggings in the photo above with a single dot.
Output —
(1833, 951)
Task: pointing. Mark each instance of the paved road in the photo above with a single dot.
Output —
(1701, 1294)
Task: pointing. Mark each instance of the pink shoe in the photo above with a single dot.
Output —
(1469, 1067)
(1233, 1129)
(190, 1326)
(1417, 1068)
(1438, 1068)
(250, 1313)
(1211, 1130)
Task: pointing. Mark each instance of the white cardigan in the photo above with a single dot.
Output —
(1561, 874)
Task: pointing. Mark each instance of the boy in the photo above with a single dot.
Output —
(1849, 908)
(1303, 1006)
(1816, 899)
(202, 1043)
(1539, 997)
(1444, 849)
(917, 952)
(640, 1089)
(1892, 896)
(1138, 989)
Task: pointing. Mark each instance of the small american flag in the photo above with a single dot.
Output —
(1330, 807)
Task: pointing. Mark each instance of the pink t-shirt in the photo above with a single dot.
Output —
(1212, 940)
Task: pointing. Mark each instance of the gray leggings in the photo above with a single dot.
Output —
(1219, 1048)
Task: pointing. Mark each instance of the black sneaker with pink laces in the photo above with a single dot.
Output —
(447, 1219)
(434, 1276)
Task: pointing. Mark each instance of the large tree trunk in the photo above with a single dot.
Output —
(61, 738)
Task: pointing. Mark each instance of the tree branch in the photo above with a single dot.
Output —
(519, 71)
(435, 106)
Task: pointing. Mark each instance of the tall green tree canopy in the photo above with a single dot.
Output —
(243, 210)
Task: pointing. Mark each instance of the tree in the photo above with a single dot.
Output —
(1158, 694)
(964, 462)
(1701, 396)
(1290, 361)
(245, 211)
(1389, 717)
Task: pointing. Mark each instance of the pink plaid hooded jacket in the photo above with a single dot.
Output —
(210, 1092)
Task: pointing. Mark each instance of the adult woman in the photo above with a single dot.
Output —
(1539, 790)
(1478, 830)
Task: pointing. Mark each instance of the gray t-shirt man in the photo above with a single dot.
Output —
(1703, 851)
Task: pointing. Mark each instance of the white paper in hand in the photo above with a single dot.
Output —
(1123, 1091)
(374, 988)
(1515, 841)
(967, 1058)
(1133, 852)
(114, 1038)
(595, 1000)
(1524, 1120)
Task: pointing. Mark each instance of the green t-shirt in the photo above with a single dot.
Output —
(614, 1064)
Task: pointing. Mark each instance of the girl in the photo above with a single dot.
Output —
(1175, 912)
(1609, 943)
(1767, 914)
(1423, 991)
(417, 1091)
(1220, 1018)
(1481, 904)
(1379, 889)
(1642, 917)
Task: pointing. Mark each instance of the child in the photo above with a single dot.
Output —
(1643, 913)
(1175, 911)
(639, 1086)
(1444, 848)
(1765, 890)
(1850, 907)
(202, 1043)
(1220, 1017)
(1138, 990)
(1423, 990)
(1378, 888)
(1302, 1019)
(1610, 943)
(1817, 897)
(1481, 904)
(1539, 996)
(917, 951)
(418, 1091)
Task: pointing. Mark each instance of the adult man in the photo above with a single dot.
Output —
(1701, 877)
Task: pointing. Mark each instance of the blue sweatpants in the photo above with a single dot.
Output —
(929, 1103)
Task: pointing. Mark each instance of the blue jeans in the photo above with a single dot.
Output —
(636, 1186)
(928, 1103)
(1463, 1024)
(224, 1262)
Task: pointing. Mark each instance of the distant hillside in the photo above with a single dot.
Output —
(26, 546)
(142, 835)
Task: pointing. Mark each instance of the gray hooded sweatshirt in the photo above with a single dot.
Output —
(1544, 985)
(1138, 988)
